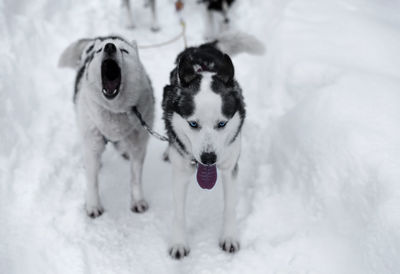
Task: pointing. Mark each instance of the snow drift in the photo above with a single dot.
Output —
(319, 171)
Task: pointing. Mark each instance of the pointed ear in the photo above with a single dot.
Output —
(72, 54)
(186, 71)
(227, 71)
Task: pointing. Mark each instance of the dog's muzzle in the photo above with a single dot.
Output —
(110, 78)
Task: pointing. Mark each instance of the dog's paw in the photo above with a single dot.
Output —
(165, 157)
(130, 25)
(139, 206)
(229, 245)
(178, 251)
(155, 28)
(94, 211)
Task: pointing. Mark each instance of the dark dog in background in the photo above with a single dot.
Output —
(214, 7)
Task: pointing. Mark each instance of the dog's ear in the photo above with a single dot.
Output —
(134, 45)
(72, 54)
(226, 72)
(186, 71)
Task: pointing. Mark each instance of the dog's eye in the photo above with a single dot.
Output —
(193, 124)
(124, 51)
(222, 124)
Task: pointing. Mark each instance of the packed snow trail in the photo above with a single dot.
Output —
(319, 172)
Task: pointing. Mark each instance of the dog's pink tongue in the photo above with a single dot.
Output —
(206, 176)
(111, 85)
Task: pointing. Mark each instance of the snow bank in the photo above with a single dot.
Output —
(319, 173)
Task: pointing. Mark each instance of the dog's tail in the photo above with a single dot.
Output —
(234, 43)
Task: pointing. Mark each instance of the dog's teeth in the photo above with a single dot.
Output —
(104, 90)
(115, 91)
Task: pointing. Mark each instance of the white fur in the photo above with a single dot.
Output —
(72, 54)
(235, 42)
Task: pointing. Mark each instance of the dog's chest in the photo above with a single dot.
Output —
(113, 126)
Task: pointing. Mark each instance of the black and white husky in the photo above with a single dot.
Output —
(109, 82)
(204, 110)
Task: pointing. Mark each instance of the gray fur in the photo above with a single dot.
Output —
(101, 119)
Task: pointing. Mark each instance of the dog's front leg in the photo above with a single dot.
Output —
(138, 203)
(126, 5)
(228, 241)
(154, 25)
(209, 30)
(94, 147)
(181, 176)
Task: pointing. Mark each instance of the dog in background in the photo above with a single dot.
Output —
(214, 7)
(203, 111)
(110, 81)
(126, 5)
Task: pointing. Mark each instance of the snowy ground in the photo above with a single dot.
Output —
(320, 167)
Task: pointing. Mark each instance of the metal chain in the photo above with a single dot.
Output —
(159, 136)
(147, 127)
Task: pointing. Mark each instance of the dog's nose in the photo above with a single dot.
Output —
(110, 48)
(208, 158)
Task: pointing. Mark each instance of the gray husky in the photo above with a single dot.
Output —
(204, 112)
(110, 81)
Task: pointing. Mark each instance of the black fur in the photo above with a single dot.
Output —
(185, 81)
(90, 48)
(216, 5)
(232, 101)
(81, 71)
(78, 81)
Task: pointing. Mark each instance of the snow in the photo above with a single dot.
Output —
(319, 171)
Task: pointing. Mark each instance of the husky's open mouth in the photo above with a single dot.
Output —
(111, 78)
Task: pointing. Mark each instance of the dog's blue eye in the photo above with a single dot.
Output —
(222, 124)
(193, 124)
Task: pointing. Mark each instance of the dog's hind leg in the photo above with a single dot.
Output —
(94, 147)
(224, 25)
(154, 25)
(165, 155)
(228, 241)
(121, 150)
